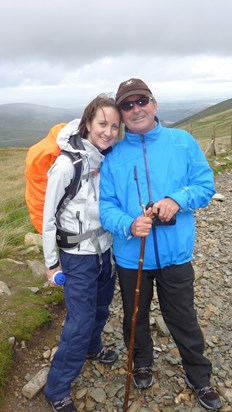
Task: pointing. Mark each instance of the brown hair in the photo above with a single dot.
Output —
(101, 101)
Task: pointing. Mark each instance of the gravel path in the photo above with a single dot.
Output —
(101, 388)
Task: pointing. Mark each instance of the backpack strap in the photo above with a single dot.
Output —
(67, 239)
(64, 238)
(75, 184)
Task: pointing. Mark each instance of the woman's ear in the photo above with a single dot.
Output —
(88, 126)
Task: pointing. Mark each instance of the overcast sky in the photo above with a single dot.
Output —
(64, 52)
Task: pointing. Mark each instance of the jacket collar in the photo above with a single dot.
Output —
(150, 135)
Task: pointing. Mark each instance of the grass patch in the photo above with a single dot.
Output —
(28, 320)
(14, 218)
(6, 362)
(22, 312)
(222, 162)
(215, 120)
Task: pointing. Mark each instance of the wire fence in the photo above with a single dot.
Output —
(211, 134)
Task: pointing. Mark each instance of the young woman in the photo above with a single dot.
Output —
(84, 249)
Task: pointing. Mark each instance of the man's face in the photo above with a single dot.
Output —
(140, 118)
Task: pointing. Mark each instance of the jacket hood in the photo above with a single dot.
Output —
(69, 139)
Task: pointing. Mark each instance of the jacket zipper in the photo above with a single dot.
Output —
(154, 233)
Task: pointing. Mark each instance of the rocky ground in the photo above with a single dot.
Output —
(101, 388)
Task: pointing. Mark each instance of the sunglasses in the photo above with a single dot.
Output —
(129, 104)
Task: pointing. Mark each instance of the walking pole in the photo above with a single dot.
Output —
(136, 305)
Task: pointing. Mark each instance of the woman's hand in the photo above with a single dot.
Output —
(50, 273)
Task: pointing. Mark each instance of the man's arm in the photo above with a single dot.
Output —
(200, 181)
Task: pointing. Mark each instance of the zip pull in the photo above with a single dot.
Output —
(137, 184)
(146, 167)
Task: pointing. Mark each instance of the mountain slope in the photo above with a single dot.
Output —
(215, 121)
(24, 124)
(216, 109)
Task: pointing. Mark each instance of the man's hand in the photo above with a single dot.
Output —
(165, 208)
(141, 226)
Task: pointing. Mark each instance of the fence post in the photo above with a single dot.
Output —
(213, 140)
(211, 146)
(231, 136)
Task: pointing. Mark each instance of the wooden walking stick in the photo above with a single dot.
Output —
(136, 306)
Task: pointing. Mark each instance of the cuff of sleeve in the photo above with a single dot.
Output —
(127, 230)
(130, 235)
(55, 265)
(180, 200)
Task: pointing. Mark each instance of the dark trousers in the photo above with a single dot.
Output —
(176, 299)
(88, 293)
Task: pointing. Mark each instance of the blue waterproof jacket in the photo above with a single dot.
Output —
(177, 168)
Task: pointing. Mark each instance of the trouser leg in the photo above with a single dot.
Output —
(80, 294)
(143, 345)
(176, 298)
(105, 292)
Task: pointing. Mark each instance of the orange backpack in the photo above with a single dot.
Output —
(40, 157)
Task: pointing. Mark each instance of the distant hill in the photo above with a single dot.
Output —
(214, 110)
(213, 121)
(24, 124)
(171, 112)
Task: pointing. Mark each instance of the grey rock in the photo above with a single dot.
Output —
(4, 290)
(38, 268)
(135, 407)
(35, 384)
(98, 395)
(33, 289)
(11, 341)
(161, 326)
(33, 239)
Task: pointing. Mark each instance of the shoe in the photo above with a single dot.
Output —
(104, 356)
(207, 396)
(65, 405)
(142, 377)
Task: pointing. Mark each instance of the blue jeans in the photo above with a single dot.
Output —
(88, 293)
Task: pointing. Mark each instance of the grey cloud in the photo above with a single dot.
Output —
(76, 31)
(94, 45)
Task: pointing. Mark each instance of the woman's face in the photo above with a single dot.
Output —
(104, 128)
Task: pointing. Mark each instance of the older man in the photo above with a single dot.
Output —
(166, 170)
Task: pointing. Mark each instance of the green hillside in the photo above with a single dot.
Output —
(213, 121)
(22, 125)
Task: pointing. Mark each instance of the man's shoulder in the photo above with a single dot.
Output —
(180, 134)
(117, 156)
(118, 146)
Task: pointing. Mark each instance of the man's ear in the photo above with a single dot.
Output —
(155, 105)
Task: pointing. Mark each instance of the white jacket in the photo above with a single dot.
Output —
(82, 212)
